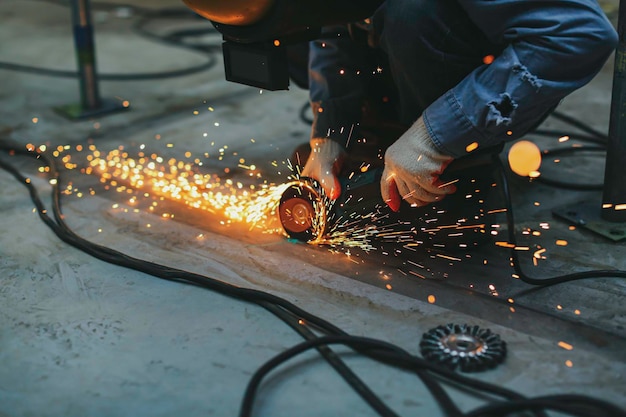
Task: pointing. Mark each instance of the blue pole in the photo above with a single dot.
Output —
(85, 54)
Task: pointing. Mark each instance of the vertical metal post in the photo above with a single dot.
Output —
(614, 194)
(85, 54)
(610, 220)
(91, 104)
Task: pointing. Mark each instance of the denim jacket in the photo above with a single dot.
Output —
(547, 49)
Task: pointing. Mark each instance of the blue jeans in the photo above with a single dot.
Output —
(427, 62)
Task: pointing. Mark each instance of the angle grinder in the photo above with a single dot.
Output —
(307, 214)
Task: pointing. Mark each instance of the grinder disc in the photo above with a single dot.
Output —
(469, 348)
(301, 212)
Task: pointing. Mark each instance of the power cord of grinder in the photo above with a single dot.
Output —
(590, 135)
(431, 375)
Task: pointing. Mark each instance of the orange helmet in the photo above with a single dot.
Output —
(265, 20)
(231, 12)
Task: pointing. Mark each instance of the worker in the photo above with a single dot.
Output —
(465, 75)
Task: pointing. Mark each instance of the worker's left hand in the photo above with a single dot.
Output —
(324, 164)
(412, 168)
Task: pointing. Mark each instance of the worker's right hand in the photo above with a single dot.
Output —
(324, 164)
(412, 168)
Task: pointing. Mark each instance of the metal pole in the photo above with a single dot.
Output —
(614, 194)
(85, 54)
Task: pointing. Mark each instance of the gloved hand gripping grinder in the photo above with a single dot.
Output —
(306, 214)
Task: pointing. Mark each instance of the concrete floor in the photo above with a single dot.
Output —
(82, 337)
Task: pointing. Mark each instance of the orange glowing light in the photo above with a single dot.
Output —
(431, 299)
(471, 147)
(488, 59)
(561, 242)
(525, 159)
(565, 345)
(505, 244)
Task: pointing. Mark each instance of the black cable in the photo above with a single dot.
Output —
(334, 360)
(255, 381)
(304, 110)
(570, 185)
(371, 347)
(399, 358)
(510, 218)
(574, 405)
(578, 124)
(172, 38)
(97, 5)
(140, 76)
(593, 136)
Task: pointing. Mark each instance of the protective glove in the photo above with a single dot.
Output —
(324, 164)
(412, 168)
